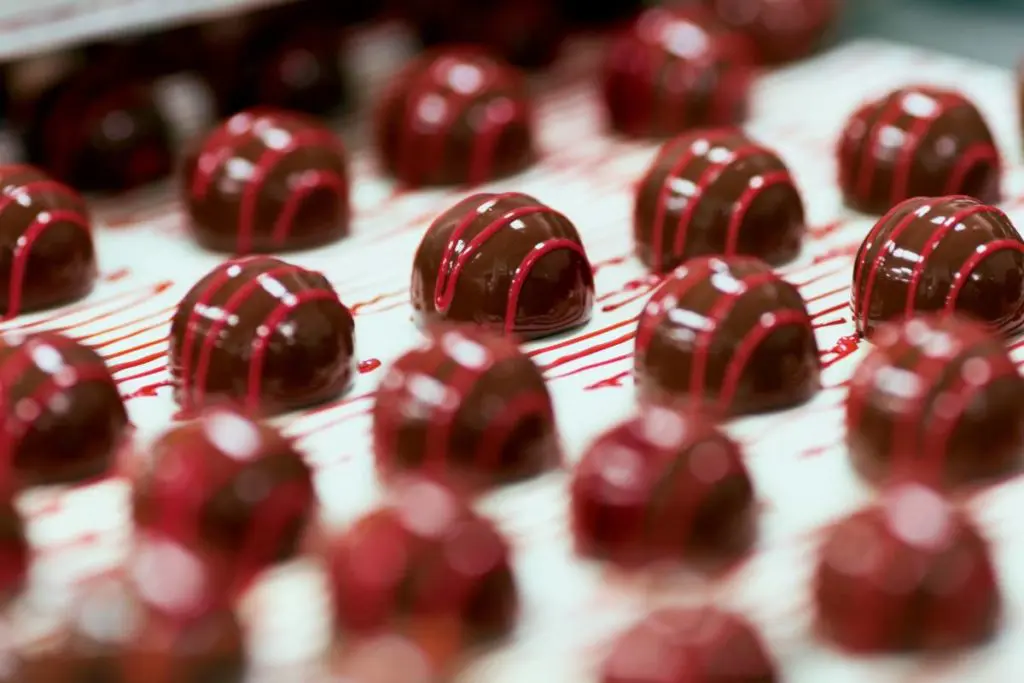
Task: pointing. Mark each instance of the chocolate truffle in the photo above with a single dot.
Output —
(454, 117)
(689, 645)
(909, 574)
(489, 419)
(716, 192)
(938, 400)
(101, 134)
(116, 633)
(781, 31)
(940, 254)
(292, 190)
(675, 69)
(14, 550)
(47, 255)
(427, 561)
(504, 261)
(662, 486)
(528, 33)
(234, 490)
(268, 334)
(63, 418)
(917, 142)
(729, 336)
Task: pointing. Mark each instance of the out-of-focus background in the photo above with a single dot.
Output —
(989, 30)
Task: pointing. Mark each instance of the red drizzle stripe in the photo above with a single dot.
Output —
(522, 273)
(23, 249)
(667, 297)
(913, 213)
(718, 313)
(766, 325)
(971, 157)
(712, 173)
(963, 274)
(758, 185)
(932, 243)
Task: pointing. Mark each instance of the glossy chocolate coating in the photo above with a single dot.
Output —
(14, 550)
(268, 180)
(780, 30)
(689, 645)
(716, 192)
(455, 116)
(940, 254)
(912, 573)
(937, 400)
(113, 634)
(100, 134)
(528, 33)
(233, 489)
(656, 85)
(496, 424)
(728, 335)
(264, 333)
(662, 486)
(427, 561)
(46, 249)
(917, 142)
(506, 262)
(63, 418)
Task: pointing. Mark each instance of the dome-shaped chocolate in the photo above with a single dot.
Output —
(943, 254)
(729, 336)
(937, 400)
(912, 573)
(716, 192)
(268, 180)
(47, 255)
(917, 142)
(267, 334)
(663, 486)
(504, 261)
(455, 116)
(657, 85)
(63, 419)
(495, 424)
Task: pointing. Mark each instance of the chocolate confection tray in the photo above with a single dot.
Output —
(570, 607)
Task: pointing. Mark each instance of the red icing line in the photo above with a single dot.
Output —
(970, 158)
(666, 297)
(23, 249)
(231, 306)
(267, 328)
(932, 243)
(309, 183)
(746, 200)
(745, 350)
(522, 273)
(915, 133)
(719, 311)
(189, 336)
(876, 263)
(980, 254)
(712, 173)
